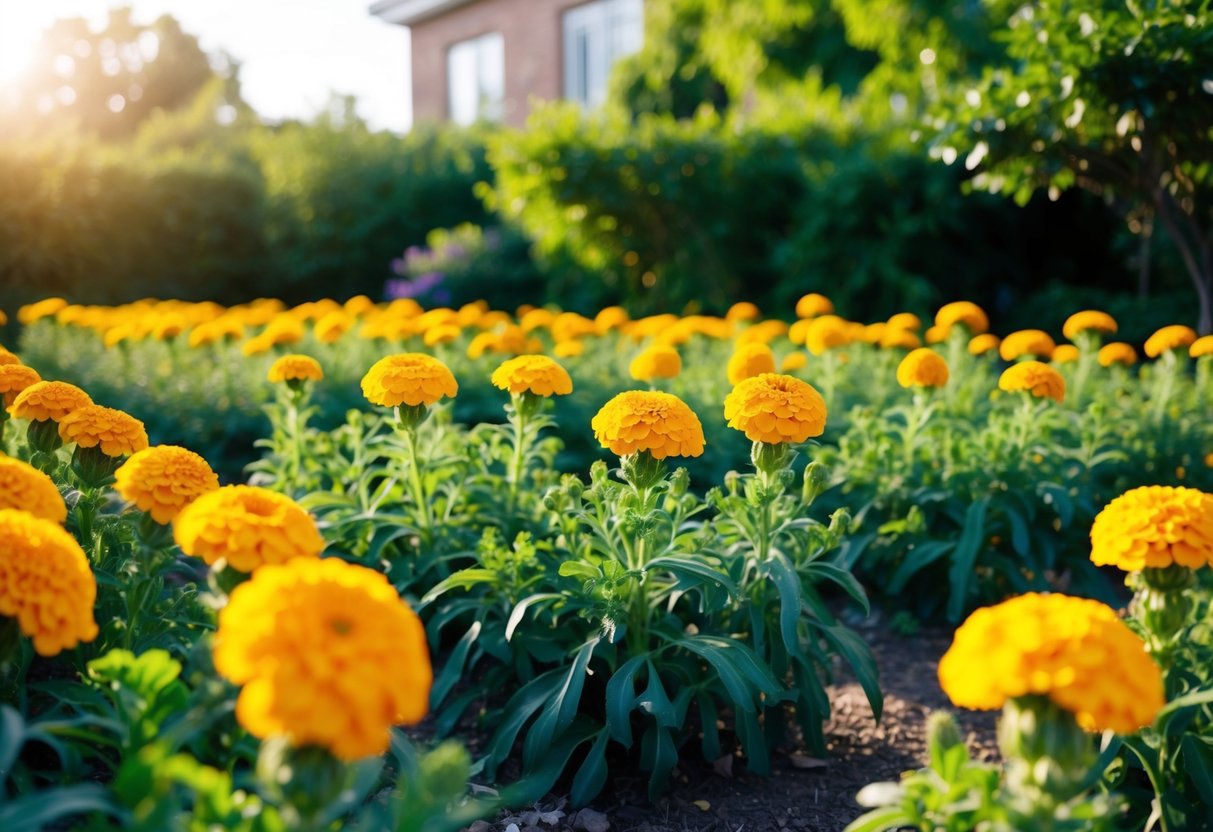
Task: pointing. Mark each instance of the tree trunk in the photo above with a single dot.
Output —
(1194, 249)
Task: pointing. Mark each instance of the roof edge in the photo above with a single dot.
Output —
(409, 12)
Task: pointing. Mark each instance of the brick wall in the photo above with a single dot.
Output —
(532, 33)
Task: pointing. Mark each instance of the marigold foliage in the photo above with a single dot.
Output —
(964, 312)
(922, 368)
(750, 360)
(658, 361)
(652, 421)
(51, 400)
(411, 379)
(535, 374)
(1118, 352)
(164, 479)
(1154, 526)
(813, 304)
(295, 367)
(45, 582)
(115, 432)
(1088, 320)
(22, 486)
(774, 408)
(1036, 378)
(248, 527)
(327, 654)
(14, 378)
(1033, 342)
(1169, 338)
(1073, 650)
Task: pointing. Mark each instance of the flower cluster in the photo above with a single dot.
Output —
(1152, 527)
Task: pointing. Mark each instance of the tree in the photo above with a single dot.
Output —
(1112, 97)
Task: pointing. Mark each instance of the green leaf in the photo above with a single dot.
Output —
(539, 779)
(1198, 761)
(892, 817)
(787, 584)
(561, 707)
(521, 707)
(579, 569)
(521, 607)
(12, 737)
(452, 671)
(463, 579)
(621, 698)
(693, 568)
(965, 557)
(656, 703)
(34, 812)
(844, 579)
(918, 558)
(857, 654)
(592, 774)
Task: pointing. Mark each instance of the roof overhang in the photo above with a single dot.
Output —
(408, 12)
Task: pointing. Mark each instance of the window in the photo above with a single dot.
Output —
(476, 78)
(595, 36)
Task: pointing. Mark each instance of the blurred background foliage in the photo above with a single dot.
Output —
(752, 148)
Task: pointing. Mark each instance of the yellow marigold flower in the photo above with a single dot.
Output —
(793, 361)
(90, 426)
(658, 361)
(1065, 354)
(963, 312)
(750, 360)
(982, 344)
(283, 329)
(1201, 346)
(295, 367)
(410, 378)
(45, 582)
(246, 526)
(256, 345)
(742, 311)
(936, 334)
(567, 349)
(7, 357)
(32, 312)
(1034, 342)
(327, 654)
(826, 332)
(441, 334)
(536, 374)
(1154, 526)
(534, 319)
(1075, 651)
(922, 368)
(1036, 378)
(904, 339)
(1169, 338)
(24, 487)
(51, 400)
(164, 479)
(358, 305)
(3, 317)
(1088, 319)
(14, 378)
(872, 333)
(799, 331)
(642, 420)
(774, 408)
(482, 343)
(1118, 352)
(905, 320)
(812, 305)
(330, 328)
(570, 325)
(610, 318)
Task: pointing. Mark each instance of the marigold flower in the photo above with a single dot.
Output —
(774, 408)
(1201, 346)
(32, 312)
(793, 361)
(658, 361)
(981, 344)
(410, 378)
(1169, 338)
(45, 582)
(963, 312)
(1065, 354)
(1036, 378)
(7, 357)
(812, 305)
(1088, 319)
(536, 374)
(295, 367)
(164, 479)
(1075, 651)
(825, 333)
(1154, 526)
(936, 334)
(51, 400)
(922, 368)
(246, 526)
(612, 317)
(330, 328)
(115, 432)
(904, 320)
(1118, 352)
(742, 311)
(327, 654)
(642, 420)
(441, 334)
(565, 349)
(904, 339)
(22, 486)
(750, 360)
(1034, 342)
(14, 378)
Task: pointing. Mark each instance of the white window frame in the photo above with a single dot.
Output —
(482, 60)
(596, 35)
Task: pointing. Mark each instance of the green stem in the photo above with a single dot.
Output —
(518, 460)
(419, 496)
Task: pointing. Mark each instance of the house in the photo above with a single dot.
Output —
(484, 59)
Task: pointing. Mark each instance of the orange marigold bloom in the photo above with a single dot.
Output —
(564, 349)
(812, 305)
(658, 361)
(1036, 378)
(750, 360)
(7, 357)
(1201, 346)
(330, 328)
(246, 526)
(793, 361)
(51, 400)
(981, 344)
(90, 426)
(14, 378)
(1088, 319)
(742, 311)
(1034, 342)
(327, 654)
(1169, 338)
(904, 320)
(1118, 352)
(936, 334)
(441, 334)
(536, 374)
(893, 338)
(45, 582)
(922, 368)
(642, 420)
(1075, 651)
(774, 408)
(1154, 526)
(965, 313)
(612, 317)
(825, 333)
(295, 367)
(410, 378)
(32, 312)
(164, 479)
(22, 486)
(1065, 354)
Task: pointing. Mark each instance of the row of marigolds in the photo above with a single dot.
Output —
(622, 610)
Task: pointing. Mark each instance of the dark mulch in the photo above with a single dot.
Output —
(802, 794)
